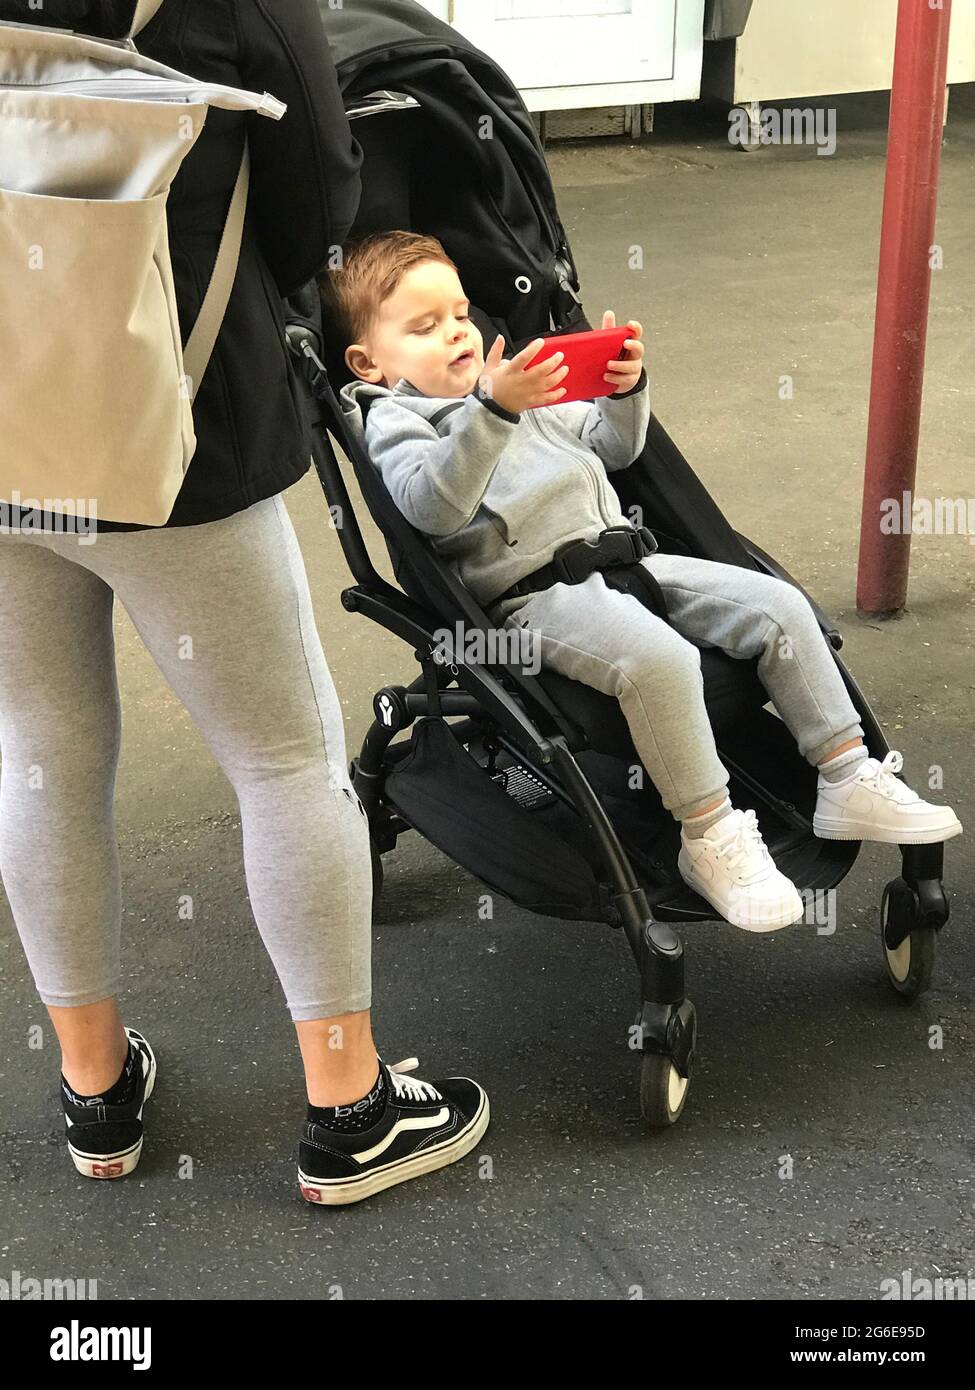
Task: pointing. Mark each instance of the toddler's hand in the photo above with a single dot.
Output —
(515, 389)
(625, 373)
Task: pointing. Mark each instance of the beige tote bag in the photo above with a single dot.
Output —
(95, 391)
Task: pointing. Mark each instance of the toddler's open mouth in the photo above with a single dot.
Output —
(464, 359)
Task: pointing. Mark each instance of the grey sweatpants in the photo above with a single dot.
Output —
(225, 611)
(609, 640)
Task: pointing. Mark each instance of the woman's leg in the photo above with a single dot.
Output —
(93, 1044)
(60, 727)
(224, 610)
(337, 1075)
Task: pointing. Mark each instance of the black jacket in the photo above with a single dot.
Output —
(249, 413)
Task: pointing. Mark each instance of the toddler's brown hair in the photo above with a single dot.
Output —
(371, 270)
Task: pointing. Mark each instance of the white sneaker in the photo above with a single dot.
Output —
(731, 867)
(873, 804)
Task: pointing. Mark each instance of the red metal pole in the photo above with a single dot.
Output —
(917, 103)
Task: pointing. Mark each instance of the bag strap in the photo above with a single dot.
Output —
(203, 337)
(145, 10)
(200, 344)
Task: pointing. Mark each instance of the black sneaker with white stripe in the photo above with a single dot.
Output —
(422, 1127)
(104, 1137)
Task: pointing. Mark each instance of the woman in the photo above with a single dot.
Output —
(224, 582)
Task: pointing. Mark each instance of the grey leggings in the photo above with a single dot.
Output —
(609, 640)
(225, 612)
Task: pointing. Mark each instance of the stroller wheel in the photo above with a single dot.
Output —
(663, 1091)
(910, 963)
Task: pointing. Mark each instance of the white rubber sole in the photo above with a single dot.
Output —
(341, 1191)
(115, 1165)
(839, 828)
(766, 922)
(106, 1165)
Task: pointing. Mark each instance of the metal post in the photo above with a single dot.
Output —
(917, 103)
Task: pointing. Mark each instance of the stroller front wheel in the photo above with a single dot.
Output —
(663, 1091)
(910, 962)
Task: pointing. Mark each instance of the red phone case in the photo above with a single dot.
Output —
(586, 355)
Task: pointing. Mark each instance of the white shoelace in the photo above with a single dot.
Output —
(409, 1087)
(746, 839)
(882, 776)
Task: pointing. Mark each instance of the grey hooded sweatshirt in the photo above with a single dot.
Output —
(499, 492)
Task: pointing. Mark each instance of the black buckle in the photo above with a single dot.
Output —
(649, 540)
(616, 546)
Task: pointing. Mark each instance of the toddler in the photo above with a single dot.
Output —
(478, 453)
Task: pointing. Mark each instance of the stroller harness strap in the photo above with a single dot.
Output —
(573, 563)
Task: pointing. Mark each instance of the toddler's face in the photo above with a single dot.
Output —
(423, 332)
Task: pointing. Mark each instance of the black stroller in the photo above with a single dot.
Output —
(525, 781)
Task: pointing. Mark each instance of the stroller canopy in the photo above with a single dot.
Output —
(466, 166)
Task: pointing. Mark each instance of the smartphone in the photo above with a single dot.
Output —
(586, 355)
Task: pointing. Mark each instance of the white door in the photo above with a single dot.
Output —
(569, 43)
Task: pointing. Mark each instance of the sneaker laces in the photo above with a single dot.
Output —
(743, 843)
(882, 775)
(409, 1087)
